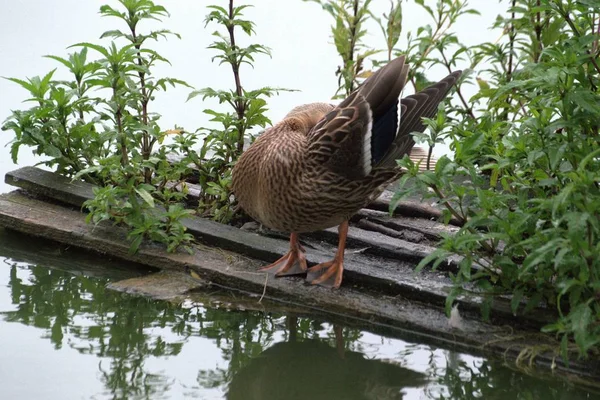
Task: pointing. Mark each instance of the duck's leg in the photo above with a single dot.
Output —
(340, 345)
(329, 273)
(293, 263)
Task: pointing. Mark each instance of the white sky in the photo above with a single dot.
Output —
(298, 33)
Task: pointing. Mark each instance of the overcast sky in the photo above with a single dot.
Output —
(298, 33)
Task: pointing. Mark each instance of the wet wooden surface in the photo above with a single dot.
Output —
(380, 288)
(374, 261)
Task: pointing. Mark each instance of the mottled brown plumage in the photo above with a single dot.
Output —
(322, 163)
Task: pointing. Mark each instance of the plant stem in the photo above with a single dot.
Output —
(538, 34)
(512, 37)
(461, 218)
(511, 45)
(124, 156)
(120, 133)
(146, 144)
(240, 106)
(468, 109)
(350, 59)
(429, 155)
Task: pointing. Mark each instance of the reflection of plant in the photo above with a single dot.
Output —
(490, 380)
(122, 331)
(114, 327)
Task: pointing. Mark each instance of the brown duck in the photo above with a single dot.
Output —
(323, 163)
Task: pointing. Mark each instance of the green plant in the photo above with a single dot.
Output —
(348, 33)
(391, 26)
(56, 126)
(525, 178)
(524, 182)
(110, 139)
(135, 178)
(223, 146)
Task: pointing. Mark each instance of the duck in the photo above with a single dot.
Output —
(322, 163)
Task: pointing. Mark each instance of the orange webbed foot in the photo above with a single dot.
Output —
(328, 274)
(293, 263)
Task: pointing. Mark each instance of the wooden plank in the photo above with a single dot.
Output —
(369, 241)
(374, 262)
(189, 288)
(50, 185)
(46, 253)
(409, 208)
(430, 229)
(163, 285)
(32, 216)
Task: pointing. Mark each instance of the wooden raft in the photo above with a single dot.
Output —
(380, 291)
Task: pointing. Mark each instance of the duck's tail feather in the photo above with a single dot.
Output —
(382, 89)
(412, 110)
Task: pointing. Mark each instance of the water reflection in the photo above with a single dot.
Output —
(312, 369)
(150, 349)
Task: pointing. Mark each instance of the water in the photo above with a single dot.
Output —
(65, 336)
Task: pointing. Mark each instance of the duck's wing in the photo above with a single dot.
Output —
(343, 140)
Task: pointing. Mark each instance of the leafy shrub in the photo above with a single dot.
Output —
(100, 126)
(524, 180)
(222, 147)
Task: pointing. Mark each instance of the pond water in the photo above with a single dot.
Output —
(65, 335)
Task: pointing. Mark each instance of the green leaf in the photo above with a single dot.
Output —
(135, 244)
(98, 48)
(515, 301)
(147, 197)
(581, 317)
(533, 302)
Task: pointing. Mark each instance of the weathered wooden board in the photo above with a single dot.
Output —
(375, 309)
(374, 262)
(17, 247)
(187, 287)
(53, 186)
(409, 208)
(430, 229)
